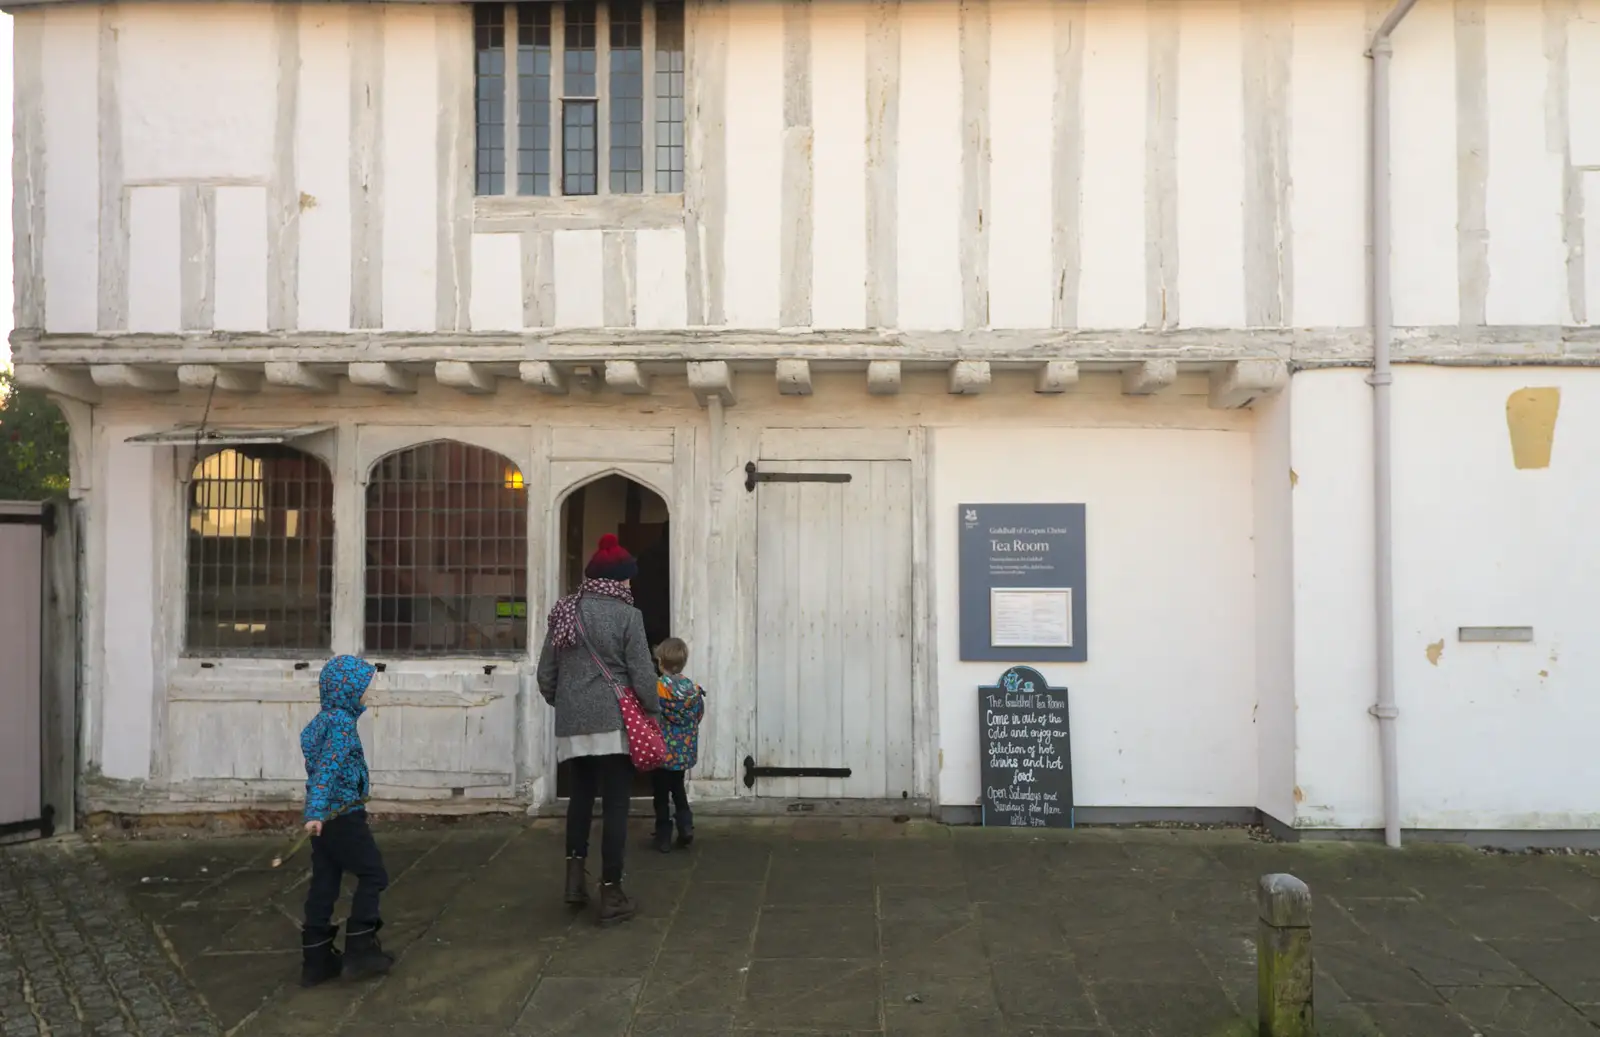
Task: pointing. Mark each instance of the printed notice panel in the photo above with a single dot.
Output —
(1022, 583)
(1025, 752)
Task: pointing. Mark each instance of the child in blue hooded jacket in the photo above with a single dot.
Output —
(336, 817)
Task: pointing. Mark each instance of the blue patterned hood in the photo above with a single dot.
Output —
(336, 766)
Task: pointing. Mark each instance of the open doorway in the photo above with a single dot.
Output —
(638, 516)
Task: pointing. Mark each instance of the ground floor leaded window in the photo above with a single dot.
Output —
(260, 553)
(579, 97)
(446, 553)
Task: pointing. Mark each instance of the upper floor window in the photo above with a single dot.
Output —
(260, 562)
(447, 553)
(580, 97)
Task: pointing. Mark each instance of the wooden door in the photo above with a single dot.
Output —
(833, 650)
(21, 552)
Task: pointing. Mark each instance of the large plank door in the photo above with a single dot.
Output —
(833, 650)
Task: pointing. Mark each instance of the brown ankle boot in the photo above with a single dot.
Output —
(577, 882)
(615, 905)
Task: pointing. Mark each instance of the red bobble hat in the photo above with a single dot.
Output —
(611, 561)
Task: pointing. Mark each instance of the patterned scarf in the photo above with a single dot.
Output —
(564, 617)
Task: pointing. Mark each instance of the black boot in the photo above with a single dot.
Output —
(320, 960)
(663, 839)
(685, 836)
(615, 905)
(364, 955)
(577, 882)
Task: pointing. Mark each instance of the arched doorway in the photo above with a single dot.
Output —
(639, 518)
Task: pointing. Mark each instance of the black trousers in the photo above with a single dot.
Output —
(611, 777)
(669, 792)
(346, 844)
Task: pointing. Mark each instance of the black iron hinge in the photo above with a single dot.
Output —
(752, 475)
(752, 772)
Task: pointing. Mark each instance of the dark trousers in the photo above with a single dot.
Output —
(611, 777)
(669, 791)
(346, 844)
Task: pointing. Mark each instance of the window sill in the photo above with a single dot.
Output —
(507, 215)
(453, 686)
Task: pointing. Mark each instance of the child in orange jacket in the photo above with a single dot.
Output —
(683, 706)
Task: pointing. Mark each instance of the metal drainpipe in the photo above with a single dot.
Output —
(1381, 379)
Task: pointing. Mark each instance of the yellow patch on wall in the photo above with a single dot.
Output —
(1435, 650)
(1531, 419)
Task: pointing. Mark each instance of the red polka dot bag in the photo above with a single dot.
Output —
(646, 747)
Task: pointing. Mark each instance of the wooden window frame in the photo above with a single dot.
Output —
(648, 202)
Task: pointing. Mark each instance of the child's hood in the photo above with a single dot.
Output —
(344, 680)
(676, 685)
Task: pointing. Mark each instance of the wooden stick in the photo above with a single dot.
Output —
(294, 848)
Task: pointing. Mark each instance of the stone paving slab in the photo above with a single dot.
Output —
(807, 927)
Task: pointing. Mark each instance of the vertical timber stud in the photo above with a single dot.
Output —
(1283, 957)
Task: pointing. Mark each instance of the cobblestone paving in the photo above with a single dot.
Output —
(76, 958)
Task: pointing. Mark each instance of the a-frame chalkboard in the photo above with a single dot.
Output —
(1025, 752)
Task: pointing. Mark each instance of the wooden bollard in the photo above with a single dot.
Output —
(1283, 957)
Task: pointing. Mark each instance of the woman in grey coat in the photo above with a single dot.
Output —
(598, 621)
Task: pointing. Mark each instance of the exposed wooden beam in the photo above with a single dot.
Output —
(1495, 345)
(291, 374)
(133, 376)
(883, 377)
(969, 377)
(1056, 376)
(581, 345)
(627, 377)
(712, 379)
(225, 379)
(794, 377)
(1149, 377)
(1241, 383)
(57, 381)
(391, 378)
(544, 376)
(472, 379)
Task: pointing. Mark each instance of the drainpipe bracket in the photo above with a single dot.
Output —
(1384, 712)
(1377, 378)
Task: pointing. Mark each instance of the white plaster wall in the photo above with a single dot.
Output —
(322, 168)
(1423, 173)
(1162, 711)
(241, 259)
(1327, 160)
(1116, 53)
(496, 282)
(198, 93)
(410, 168)
(580, 278)
(1210, 110)
(755, 162)
(839, 157)
(1336, 755)
(663, 301)
(70, 52)
(1021, 89)
(124, 593)
(1496, 735)
(194, 113)
(929, 188)
(155, 259)
(1273, 524)
(1527, 258)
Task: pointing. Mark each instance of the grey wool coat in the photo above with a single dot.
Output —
(569, 679)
